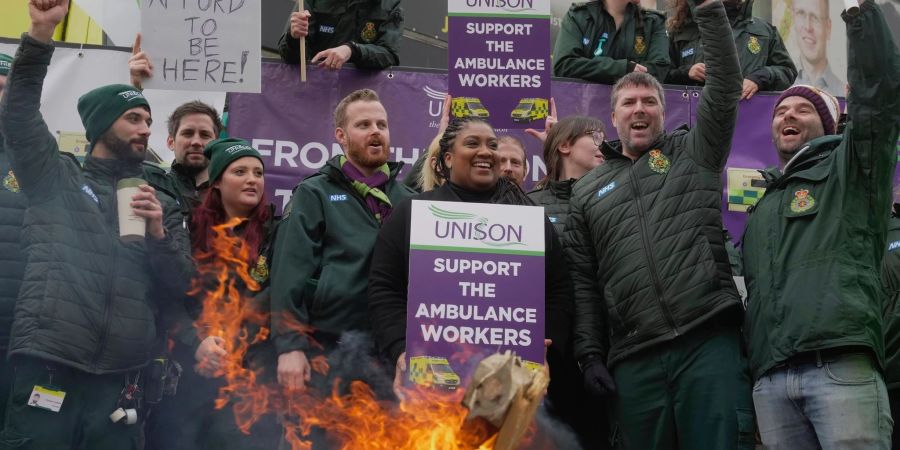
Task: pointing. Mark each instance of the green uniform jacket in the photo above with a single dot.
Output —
(12, 260)
(644, 237)
(323, 247)
(88, 300)
(554, 197)
(814, 243)
(890, 279)
(374, 26)
(641, 39)
(764, 60)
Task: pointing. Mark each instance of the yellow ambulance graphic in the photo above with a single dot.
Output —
(530, 109)
(468, 107)
(432, 371)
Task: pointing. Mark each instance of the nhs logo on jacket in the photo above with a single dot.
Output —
(893, 246)
(606, 189)
(338, 198)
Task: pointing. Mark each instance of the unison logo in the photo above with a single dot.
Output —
(508, 5)
(470, 227)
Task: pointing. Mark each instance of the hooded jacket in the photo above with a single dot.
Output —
(764, 59)
(88, 299)
(320, 266)
(814, 243)
(644, 237)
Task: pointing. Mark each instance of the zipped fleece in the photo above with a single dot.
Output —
(554, 197)
(814, 243)
(646, 248)
(323, 247)
(88, 299)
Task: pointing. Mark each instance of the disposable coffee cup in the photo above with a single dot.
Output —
(852, 7)
(131, 226)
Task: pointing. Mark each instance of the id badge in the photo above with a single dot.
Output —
(46, 398)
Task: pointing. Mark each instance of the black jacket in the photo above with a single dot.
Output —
(644, 237)
(388, 278)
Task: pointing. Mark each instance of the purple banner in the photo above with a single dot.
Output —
(500, 69)
(291, 124)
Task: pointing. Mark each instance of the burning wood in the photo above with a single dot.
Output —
(505, 393)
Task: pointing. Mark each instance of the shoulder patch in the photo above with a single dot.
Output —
(11, 183)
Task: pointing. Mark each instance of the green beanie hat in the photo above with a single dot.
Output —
(5, 64)
(101, 107)
(222, 152)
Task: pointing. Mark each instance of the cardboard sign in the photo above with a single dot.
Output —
(476, 286)
(500, 61)
(205, 45)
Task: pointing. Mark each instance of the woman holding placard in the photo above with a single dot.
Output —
(470, 165)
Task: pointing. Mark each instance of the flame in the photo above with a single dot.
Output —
(424, 420)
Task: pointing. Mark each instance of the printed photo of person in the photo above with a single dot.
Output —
(814, 41)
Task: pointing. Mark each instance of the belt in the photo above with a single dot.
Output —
(825, 355)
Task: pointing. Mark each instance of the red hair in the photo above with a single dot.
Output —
(211, 212)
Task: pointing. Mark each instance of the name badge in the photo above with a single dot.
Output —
(46, 398)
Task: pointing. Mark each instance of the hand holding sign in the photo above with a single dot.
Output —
(300, 24)
(139, 65)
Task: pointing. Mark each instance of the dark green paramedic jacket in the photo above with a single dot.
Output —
(814, 243)
(890, 279)
(764, 59)
(644, 237)
(12, 260)
(641, 39)
(88, 299)
(323, 247)
(375, 26)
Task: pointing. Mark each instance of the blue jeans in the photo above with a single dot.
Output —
(837, 402)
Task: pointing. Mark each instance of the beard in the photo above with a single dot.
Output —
(122, 149)
(359, 154)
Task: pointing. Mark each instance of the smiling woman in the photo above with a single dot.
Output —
(469, 161)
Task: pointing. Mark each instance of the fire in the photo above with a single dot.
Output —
(424, 420)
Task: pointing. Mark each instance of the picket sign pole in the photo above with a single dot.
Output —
(302, 51)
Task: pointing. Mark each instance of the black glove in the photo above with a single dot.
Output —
(597, 380)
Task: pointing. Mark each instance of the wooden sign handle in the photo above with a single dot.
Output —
(302, 50)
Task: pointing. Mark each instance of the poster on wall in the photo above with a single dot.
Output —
(815, 35)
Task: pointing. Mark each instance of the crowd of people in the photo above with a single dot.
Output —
(649, 343)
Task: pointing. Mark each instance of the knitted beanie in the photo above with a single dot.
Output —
(222, 152)
(826, 104)
(101, 107)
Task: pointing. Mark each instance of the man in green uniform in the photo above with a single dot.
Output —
(12, 261)
(890, 279)
(363, 32)
(85, 318)
(324, 243)
(655, 300)
(603, 40)
(813, 250)
(765, 62)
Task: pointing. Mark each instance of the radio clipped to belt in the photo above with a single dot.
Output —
(161, 379)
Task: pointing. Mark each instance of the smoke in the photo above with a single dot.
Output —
(353, 359)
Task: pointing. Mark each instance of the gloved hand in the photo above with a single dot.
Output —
(597, 379)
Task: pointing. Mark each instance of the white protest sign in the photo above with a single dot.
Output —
(205, 45)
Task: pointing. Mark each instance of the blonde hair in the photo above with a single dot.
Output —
(429, 178)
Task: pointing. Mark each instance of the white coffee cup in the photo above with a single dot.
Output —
(131, 226)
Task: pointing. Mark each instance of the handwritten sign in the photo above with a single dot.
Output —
(499, 64)
(203, 45)
(476, 286)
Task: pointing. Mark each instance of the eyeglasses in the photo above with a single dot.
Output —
(597, 136)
